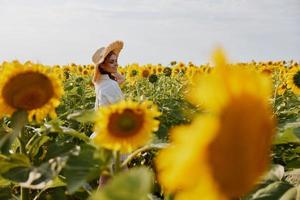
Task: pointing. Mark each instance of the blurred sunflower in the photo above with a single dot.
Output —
(153, 70)
(145, 72)
(67, 68)
(175, 71)
(153, 78)
(293, 80)
(281, 89)
(266, 69)
(167, 71)
(133, 72)
(80, 69)
(58, 71)
(85, 72)
(235, 137)
(126, 125)
(29, 87)
(160, 69)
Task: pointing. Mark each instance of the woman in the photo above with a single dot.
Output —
(106, 80)
(106, 77)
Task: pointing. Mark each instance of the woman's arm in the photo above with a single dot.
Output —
(120, 78)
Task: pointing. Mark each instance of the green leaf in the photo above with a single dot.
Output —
(295, 163)
(82, 168)
(272, 191)
(56, 183)
(34, 144)
(40, 177)
(288, 136)
(19, 119)
(5, 193)
(59, 150)
(4, 182)
(291, 194)
(13, 161)
(17, 168)
(54, 127)
(17, 174)
(83, 116)
(80, 91)
(134, 184)
(74, 133)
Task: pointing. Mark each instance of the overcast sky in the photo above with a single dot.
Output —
(65, 31)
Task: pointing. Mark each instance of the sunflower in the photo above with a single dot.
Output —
(167, 71)
(80, 69)
(266, 69)
(153, 78)
(133, 72)
(30, 87)
(58, 71)
(126, 125)
(293, 81)
(85, 72)
(145, 72)
(67, 69)
(175, 71)
(234, 137)
(160, 69)
(281, 89)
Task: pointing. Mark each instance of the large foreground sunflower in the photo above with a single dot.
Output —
(223, 154)
(293, 81)
(126, 125)
(29, 87)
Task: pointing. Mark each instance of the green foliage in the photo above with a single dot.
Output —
(134, 184)
(168, 94)
(55, 159)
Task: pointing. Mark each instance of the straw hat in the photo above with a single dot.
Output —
(102, 52)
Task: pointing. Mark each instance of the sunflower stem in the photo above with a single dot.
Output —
(24, 191)
(117, 162)
(19, 120)
(144, 148)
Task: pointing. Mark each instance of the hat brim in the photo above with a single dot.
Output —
(115, 47)
(100, 55)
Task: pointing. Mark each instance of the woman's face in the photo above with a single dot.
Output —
(110, 63)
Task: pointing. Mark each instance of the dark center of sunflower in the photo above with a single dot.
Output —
(167, 71)
(145, 73)
(235, 163)
(134, 72)
(296, 79)
(28, 91)
(127, 123)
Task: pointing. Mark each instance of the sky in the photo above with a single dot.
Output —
(70, 31)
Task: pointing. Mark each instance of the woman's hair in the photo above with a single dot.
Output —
(102, 71)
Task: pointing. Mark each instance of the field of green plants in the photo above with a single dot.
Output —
(213, 131)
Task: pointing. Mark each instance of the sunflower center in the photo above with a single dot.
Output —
(296, 79)
(267, 71)
(127, 123)
(240, 151)
(145, 73)
(28, 91)
(134, 72)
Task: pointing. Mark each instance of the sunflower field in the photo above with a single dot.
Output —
(220, 131)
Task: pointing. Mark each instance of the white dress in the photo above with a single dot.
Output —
(107, 92)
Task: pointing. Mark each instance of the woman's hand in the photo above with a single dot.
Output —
(120, 78)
